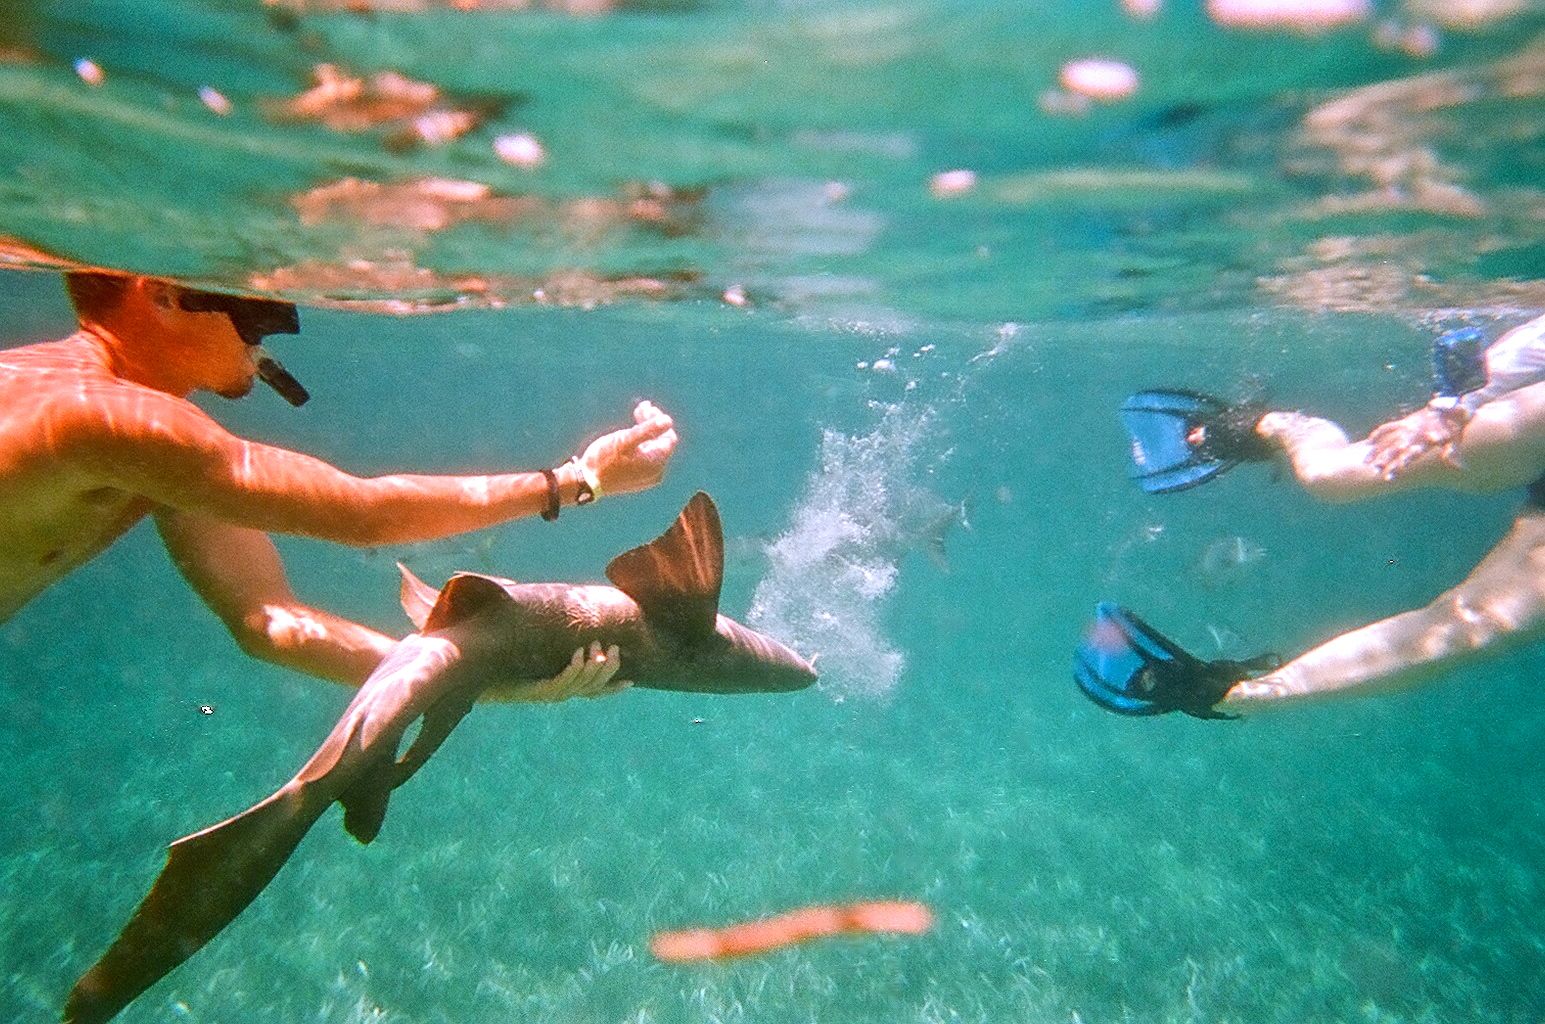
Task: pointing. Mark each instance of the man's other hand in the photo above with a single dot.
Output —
(635, 458)
(588, 674)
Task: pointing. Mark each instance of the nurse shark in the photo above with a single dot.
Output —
(479, 632)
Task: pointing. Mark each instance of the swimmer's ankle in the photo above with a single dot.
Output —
(1273, 425)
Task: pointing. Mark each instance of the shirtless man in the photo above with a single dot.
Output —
(96, 432)
(1483, 435)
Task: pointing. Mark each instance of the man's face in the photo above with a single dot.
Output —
(242, 386)
(223, 362)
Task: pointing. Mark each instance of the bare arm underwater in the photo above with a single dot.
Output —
(1501, 602)
(168, 451)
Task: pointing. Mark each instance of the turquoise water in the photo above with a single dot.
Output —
(902, 359)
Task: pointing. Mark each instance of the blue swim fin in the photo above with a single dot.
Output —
(1126, 666)
(1184, 438)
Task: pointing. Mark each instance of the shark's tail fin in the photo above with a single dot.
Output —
(209, 878)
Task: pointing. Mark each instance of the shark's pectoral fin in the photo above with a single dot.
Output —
(364, 806)
(676, 578)
(364, 803)
(465, 594)
(209, 878)
(417, 597)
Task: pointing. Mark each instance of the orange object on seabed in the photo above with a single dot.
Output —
(752, 937)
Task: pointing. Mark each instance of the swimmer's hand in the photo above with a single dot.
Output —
(635, 458)
(588, 674)
(1399, 443)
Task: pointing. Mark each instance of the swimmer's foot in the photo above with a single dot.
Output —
(1184, 438)
(1126, 666)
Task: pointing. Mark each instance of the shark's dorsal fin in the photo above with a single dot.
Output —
(463, 595)
(418, 597)
(676, 578)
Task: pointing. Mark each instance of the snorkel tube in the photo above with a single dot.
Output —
(254, 320)
(273, 373)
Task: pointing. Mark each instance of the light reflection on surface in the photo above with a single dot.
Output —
(412, 112)
(397, 286)
(1376, 165)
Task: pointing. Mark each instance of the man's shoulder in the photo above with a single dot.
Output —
(73, 402)
(123, 409)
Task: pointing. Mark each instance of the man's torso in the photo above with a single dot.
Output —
(53, 516)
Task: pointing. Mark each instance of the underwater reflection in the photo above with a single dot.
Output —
(578, 8)
(19, 33)
(392, 283)
(434, 204)
(1393, 150)
(411, 112)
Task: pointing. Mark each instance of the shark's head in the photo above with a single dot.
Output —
(675, 579)
(760, 661)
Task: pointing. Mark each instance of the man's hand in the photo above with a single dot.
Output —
(589, 674)
(1401, 442)
(635, 458)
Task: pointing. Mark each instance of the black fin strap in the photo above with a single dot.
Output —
(1232, 435)
(1270, 661)
(1215, 678)
(1190, 685)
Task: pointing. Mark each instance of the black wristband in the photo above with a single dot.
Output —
(551, 511)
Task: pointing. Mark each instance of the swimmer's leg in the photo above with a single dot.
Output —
(1501, 602)
(1325, 462)
(1501, 448)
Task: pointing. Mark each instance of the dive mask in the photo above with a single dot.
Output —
(255, 319)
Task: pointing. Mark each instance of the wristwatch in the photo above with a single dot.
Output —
(589, 483)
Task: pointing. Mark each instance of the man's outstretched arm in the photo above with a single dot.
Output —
(238, 574)
(169, 451)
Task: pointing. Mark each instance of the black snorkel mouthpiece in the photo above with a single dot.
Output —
(273, 373)
(254, 320)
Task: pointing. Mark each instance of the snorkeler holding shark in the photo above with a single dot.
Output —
(97, 433)
(1483, 431)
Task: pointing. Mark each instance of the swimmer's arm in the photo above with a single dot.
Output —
(1497, 447)
(1513, 362)
(238, 574)
(169, 451)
